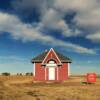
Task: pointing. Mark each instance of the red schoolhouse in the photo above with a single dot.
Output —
(51, 65)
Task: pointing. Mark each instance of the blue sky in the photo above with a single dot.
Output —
(28, 27)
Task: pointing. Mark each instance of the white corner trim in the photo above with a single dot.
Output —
(68, 69)
(57, 73)
(34, 69)
(45, 73)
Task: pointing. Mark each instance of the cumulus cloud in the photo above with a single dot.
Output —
(53, 20)
(94, 37)
(12, 24)
(52, 13)
(26, 32)
(87, 16)
(49, 16)
(76, 48)
(89, 19)
(76, 5)
(87, 13)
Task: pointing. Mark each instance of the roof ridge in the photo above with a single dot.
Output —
(40, 57)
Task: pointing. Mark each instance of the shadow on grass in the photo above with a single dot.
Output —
(87, 83)
(35, 94)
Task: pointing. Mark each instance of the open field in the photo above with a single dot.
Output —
(23, 88)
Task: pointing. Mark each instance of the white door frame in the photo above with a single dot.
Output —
(51, 73)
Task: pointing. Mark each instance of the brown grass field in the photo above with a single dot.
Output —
(24, 88)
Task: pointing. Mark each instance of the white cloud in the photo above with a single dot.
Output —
(12, 59)
(87, 16)
(53, 19)
(76, 5)
(87, 13)
(52, 14)
(26, 32)
(94, 37)
(76, 48)
(89, 19)
(19, 30)
(49, 16)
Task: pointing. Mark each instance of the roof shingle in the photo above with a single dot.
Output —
(41, 57)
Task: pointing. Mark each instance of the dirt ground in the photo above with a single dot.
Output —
(24, 88)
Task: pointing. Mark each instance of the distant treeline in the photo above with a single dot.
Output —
(19, 74)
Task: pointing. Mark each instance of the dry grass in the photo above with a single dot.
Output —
(23, 88)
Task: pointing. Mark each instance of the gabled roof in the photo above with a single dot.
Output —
(51, 55)
(42, 56)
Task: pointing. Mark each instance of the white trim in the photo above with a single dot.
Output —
(51, 65)
(45, 73)
(68, 69)
(34, 69)
(56, 55)
(48, 54)
(57, 74)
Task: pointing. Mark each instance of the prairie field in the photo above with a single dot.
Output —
(25, 88)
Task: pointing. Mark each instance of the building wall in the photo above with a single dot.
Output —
(63, 72)
(39, 72)
(56, 73)
(61, 75)
(46, 73)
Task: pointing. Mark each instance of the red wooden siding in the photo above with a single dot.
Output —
(47, 71)
(56, 73)
(39, 72)
(63, 72)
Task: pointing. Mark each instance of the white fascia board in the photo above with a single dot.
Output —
(68, 69)
(34, 69)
